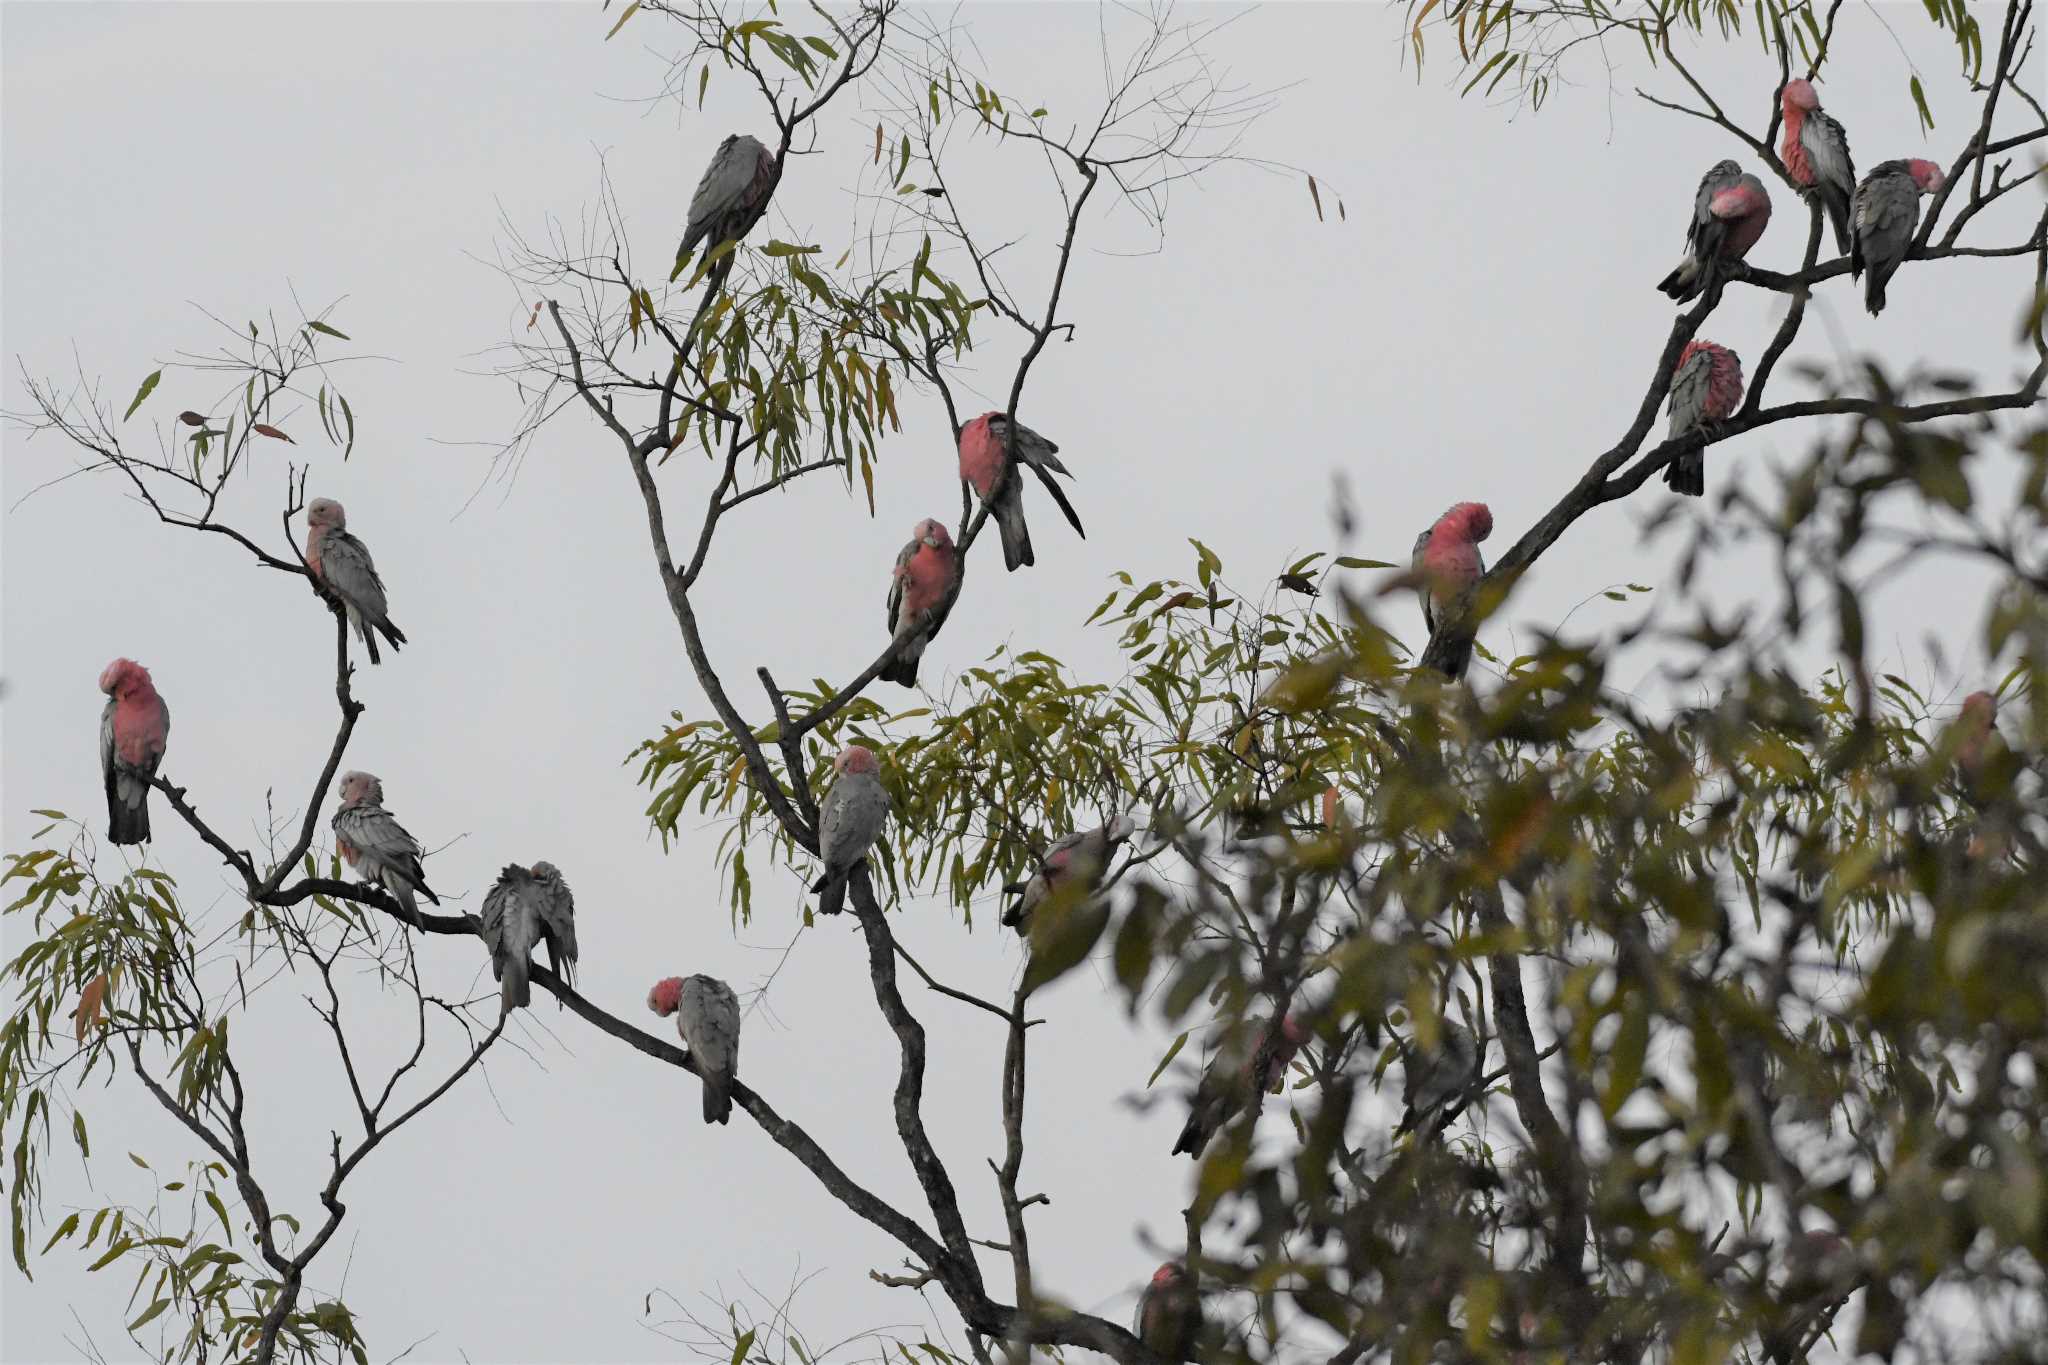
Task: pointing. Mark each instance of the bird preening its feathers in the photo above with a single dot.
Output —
(985, 445)
(1077, 859)
(729, 201)
(1729, 212)
(1447, 568)
(1253, 1058)
(341, 564)
(526, 907)
(708, 1018)
(134, 727)
(1706, 387)
(1882, 219)
(1169, 1316)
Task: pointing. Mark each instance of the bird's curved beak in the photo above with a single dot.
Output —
(932, 541)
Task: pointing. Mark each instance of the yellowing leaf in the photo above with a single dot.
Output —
(625, 14)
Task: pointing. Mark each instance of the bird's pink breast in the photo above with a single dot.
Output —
(1724, 387)
(313, 537)
(926, 578)
(981, 455)
(1797, 164)
(140, 728)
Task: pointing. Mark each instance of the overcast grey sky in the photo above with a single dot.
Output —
(1480, 327)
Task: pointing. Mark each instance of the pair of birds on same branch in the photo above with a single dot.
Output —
(1873, 224)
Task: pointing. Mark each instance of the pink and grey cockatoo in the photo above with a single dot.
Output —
(920, 595)
(1815, 151)
(133, 728)
(708, 1018)
(985, 463)
(850, 819)
(1236, 1078)
(1447, 567)
(1080, 858)
(1436, 1082)
(1883, 217)
(342, 564)
(1705, 388)
(1730, 211)
(1169, 1316)
(376, 846)
(528, 906)
(729, 201)
(1978, 725)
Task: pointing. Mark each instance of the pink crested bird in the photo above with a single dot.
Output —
(1447, 567)
(376, 846)
(920, 595)
(708, 1020)
(1729, 212)
(850, 819)
(1080, 858)
(133, 728)
(1815, 151)
(1705, 388)
(1237, 1078)
(1977, 723)
(729, 201)
(985, 463)
(341, 564)
(1882, 219)
(1169, 1316)
(528, 907)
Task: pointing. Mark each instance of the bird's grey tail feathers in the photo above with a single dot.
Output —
(831, 889)
(513, 990)
(1687, 474)
(717, 1099)
(1837, 204)
(1059, 496)
(902, 669)
(1016, 535)
(126, 824)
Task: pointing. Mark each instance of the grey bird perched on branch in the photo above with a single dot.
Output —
(1078, 858)
(708, 1019)
(1883, 218)
(730, 199)
(1238, 1076)
(850, 819)
(1729, 212)
(985, 463)
(1169, 1316)
(374, 844)
(1436, 1080)
(528, 907)
(341, 563)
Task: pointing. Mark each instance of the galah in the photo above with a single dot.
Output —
(133, 728)
(342, 565)
(1236, 1078)
(1729, 213)
(528, 906)
(1883, 217)
(850, 819)
(920, 595)
(1437, 1080)
(985, 463)
(1169, 1316)
(1447, 567)
(1816, 155)
(1078, 858)
(708, 1018)
(377, 846)
(1977, 723)
(730, 199)
(1705, 388)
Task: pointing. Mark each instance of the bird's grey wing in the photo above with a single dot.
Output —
(557, 907)
(1827, 143)
(491, 918)
(1035, 450)
(710, 1018)
(1422, 584)
(1886, 212)
(1689, 392)
(1711, 184)
(107, 741)
(723, 182)
(896, 584)
(373, 830)
(346, 565)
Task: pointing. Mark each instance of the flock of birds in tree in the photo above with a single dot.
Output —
(1873, 222)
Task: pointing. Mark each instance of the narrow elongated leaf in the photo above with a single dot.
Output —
(148, 387)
